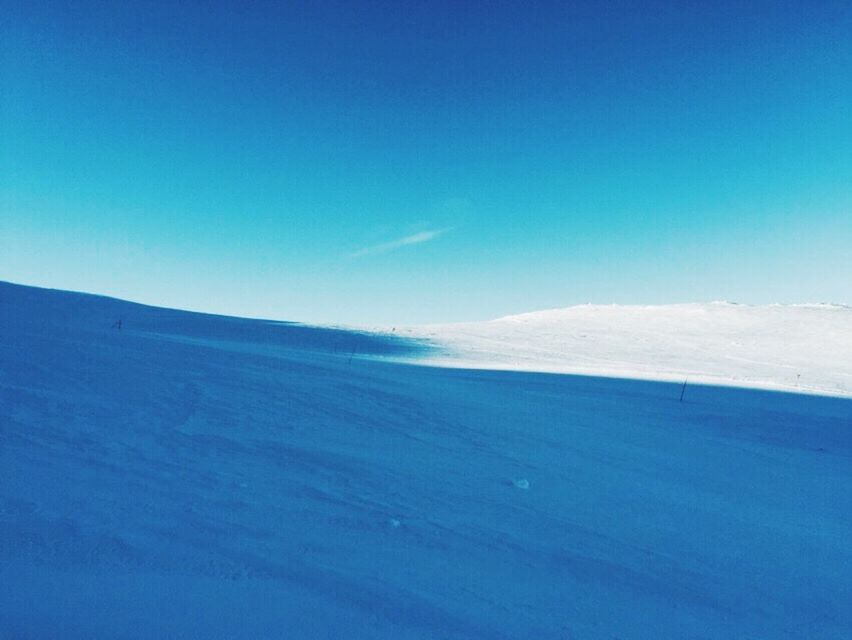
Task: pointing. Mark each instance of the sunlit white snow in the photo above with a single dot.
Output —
(804, 348)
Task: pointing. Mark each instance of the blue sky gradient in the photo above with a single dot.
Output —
(417, 162)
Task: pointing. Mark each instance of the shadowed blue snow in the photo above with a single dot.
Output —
(65, 311)
(196, 476)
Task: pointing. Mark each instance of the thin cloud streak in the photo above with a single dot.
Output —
(415, 238)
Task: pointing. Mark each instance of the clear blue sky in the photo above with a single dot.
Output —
(362, 162)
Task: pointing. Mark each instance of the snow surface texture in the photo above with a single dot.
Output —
(193, 476)
(806, 348)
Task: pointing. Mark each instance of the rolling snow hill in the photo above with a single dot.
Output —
(196, 476)
(804, 348)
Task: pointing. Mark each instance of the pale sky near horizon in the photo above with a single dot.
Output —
(368, 162)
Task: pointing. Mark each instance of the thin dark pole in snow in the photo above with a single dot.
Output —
(683, 390)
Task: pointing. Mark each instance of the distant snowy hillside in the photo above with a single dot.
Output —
(804, 348)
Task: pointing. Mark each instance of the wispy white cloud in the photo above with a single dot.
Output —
(414, 238)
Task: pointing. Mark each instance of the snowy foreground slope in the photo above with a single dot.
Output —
(193, 476)
(804, 348)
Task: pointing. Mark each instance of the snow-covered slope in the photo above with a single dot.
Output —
(804, 348)
(195, 476)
